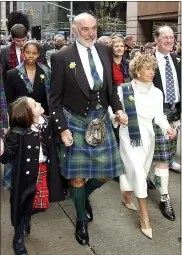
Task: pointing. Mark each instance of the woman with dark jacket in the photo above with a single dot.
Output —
(30, 78)
(120, 63)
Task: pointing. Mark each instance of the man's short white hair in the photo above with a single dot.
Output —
(81, 16)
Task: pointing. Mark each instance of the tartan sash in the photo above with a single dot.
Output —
(46, 72)
(3, 106)
(13, 61)
(130, 109)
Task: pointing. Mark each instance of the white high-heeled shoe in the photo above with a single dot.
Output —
(130, 206)
(145, 227)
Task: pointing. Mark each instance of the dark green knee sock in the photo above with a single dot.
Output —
(78, 197)
(91, 185)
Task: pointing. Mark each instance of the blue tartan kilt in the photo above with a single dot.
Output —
(84, 161)
(164, 149)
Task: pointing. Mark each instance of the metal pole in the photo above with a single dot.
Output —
(71, 19)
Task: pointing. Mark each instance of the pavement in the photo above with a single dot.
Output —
(115, 229)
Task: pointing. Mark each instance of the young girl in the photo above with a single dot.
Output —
(35, 175)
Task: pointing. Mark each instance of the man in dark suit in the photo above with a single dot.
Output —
(80, 93)
(168, 80)
(12, 55)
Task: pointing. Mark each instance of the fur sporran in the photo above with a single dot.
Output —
(96, 132)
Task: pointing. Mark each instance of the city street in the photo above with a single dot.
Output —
(114, 230)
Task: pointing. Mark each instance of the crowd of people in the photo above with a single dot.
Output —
(75, 116)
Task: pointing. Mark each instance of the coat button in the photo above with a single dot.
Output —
(36, 147)
(28, 159)
(85, 113)
(29, 146)
(57, 120)
(49, 137)
(54, 113)
(59, 127)
(27, 172)
(48, 160)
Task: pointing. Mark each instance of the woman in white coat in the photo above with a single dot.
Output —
(143, 104)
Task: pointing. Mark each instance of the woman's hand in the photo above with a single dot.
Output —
(1, 147)
(121, 118)
(67, 137)
(172, 132)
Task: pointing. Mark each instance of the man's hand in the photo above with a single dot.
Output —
(172, 132)
(1, 147)
(121, 118)
(67, 137)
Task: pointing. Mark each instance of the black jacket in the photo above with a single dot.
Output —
(70, 87)
(24, 151)
(158, 81)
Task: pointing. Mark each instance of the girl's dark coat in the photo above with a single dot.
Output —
(24, 150)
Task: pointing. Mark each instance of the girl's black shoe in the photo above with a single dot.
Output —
(19, 247)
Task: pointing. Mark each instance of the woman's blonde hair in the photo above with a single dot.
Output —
(117, 39)
(139, 62)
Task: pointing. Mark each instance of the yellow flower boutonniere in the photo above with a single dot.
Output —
(178, 60)
(131, 98)
(72, 65)
(42, 76)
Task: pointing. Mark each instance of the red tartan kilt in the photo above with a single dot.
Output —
(41, 199)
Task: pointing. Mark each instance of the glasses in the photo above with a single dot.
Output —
(166, 38)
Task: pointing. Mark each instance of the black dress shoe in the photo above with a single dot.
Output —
(88, 210)
(81, 233)
(26, 229)
(19, 247)
(166, 209)
(150, 184)
(116, 179)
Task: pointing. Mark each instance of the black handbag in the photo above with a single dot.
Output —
(172, 114)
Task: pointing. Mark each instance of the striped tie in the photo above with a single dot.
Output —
(170, 92)
(94, 73)
(21, 56)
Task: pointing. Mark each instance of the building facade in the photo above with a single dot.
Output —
(5, 9)
(143, 17)
(43, 18)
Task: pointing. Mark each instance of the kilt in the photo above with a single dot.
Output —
(84, 161)
(164, 149)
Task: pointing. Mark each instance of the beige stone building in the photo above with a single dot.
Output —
(5, 8)
(143, 17)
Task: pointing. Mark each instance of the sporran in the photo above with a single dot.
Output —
(95, 133)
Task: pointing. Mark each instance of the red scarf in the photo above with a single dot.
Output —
(12, 56)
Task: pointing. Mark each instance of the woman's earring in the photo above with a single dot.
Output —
(138, 75)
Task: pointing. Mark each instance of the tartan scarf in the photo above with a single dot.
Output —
(130, 109)
(13, 61)
(3, 105)
(46, 72)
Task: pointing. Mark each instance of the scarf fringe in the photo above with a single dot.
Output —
(136, 142)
